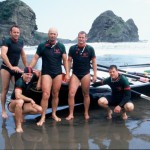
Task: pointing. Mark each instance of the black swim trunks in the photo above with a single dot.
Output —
(11, 72)
(50, 74)
(114, 102)
(80, 76)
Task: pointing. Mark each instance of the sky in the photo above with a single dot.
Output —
(72, 16)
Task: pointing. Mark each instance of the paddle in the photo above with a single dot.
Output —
(135, 92)
(128, 75)
(136, 65)
(141, 95)
(132, 73)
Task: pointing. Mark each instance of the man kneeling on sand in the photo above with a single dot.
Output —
(20, 104)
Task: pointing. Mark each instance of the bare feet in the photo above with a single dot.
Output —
(19, 129)
(86, 116)
(69, 117)
(124, 116)
(40, 123)
(4, 115)
(109, 114)
(57, 119)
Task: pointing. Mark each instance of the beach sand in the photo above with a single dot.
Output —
(96, 133)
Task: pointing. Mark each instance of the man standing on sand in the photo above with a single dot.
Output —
(81, 54)
(12, 49)
(20, 103)
(52, 54)
(121, 94)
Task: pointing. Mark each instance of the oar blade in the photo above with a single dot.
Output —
(145, 97)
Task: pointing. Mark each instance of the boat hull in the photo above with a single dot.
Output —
(95, 93)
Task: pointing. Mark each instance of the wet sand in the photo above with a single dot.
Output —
(97, 133)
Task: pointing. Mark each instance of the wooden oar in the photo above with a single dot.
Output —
(141, 95)
(128, 75)
(132, 73)
(136, 65)
(135, 92)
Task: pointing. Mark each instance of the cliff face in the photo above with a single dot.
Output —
(16, 12)
(110, 28)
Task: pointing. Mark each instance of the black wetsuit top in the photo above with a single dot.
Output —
(51, 57)
(81, 59)
(121, 91)
(14, 50)
(21, 84)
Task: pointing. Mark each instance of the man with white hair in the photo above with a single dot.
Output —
(52, 53)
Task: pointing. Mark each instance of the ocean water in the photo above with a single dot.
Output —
(113, 53)
(98, 132)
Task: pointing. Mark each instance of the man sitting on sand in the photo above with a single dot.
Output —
(121, 94)
(20, 104)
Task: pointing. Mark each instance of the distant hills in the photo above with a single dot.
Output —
(106, 28)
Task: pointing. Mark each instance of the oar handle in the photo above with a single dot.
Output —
(132, 73)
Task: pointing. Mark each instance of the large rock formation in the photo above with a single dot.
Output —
(110, 28)
(17, 12)
(106, 28)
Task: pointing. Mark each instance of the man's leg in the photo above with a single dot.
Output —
(103, 102)
(5, 76)
(73, 86)
(16, 107)
(46, 88)
(128, 107)
(29, 108)
(57, 81)
(85, 83)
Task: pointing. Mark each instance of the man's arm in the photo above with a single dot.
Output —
(19, 95)
(94, 65)
(4, 51)
(4, 56)
(69, 63)
(126, 96)
(65, 62)
(24, 58)
(38, 75)
(34, 61)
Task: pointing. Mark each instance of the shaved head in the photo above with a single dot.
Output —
(53, 30)
(52, 34)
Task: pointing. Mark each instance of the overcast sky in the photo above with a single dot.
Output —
(72, 16)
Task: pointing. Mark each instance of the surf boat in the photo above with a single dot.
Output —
(138, 86)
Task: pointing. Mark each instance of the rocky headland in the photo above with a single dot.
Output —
(106, 28)
(110, 28)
